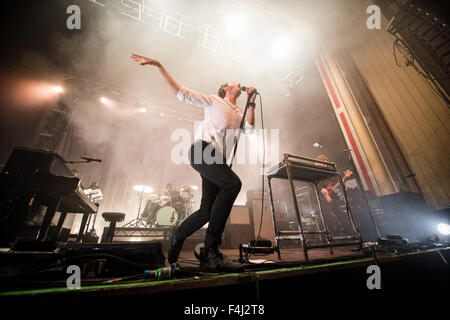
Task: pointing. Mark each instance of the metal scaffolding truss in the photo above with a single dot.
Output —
(183, 27)
(142, 232)
(53, 125)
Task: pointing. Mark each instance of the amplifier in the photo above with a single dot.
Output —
(238, 228)
(254, 207)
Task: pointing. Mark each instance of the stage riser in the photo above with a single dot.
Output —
(414, 276)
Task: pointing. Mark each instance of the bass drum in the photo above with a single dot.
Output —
(167, 216)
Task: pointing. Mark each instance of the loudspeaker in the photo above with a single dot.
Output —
(254, 207)
(424, 25)
(406, 214)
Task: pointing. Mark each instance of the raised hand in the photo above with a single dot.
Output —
(249, 90)
(144, 60)
(174, 86)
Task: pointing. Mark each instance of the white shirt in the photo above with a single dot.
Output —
(220, 115)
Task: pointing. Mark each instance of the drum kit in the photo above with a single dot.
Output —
(169, 208)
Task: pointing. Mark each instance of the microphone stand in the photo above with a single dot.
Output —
(241, 127)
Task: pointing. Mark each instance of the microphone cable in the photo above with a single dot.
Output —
(262, 179)
(262, 175)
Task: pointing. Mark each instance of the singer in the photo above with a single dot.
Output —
(220, 185)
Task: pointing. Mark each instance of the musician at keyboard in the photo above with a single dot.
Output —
(36, 176)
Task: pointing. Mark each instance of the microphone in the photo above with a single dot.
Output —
(91, 159)
(245, 89)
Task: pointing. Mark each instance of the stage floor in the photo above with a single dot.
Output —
(328, 287)
(350, 265)
(288, 254)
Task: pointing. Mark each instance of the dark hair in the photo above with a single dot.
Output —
(221, 92)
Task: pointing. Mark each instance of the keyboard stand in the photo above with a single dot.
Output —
(313, 171)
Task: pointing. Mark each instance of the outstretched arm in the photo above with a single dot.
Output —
(173, 85)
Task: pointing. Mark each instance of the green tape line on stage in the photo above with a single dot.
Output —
(110, 286)
(152, 283)
(317, 266)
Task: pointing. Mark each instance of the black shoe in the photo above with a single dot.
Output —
(215, 261)
(174, 247)
(199, 251)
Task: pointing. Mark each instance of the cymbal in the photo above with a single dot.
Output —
(144, 189)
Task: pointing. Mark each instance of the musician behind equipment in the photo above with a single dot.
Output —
(332, 201)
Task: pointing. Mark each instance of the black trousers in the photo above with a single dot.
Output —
(337, 220)
(220, 187)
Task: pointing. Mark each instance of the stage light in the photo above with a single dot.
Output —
(162, 114)
(235, 24)
(57, 89)
(281, 47)
(104, 100)
(26, 92)
(142, 110)
(444, 229)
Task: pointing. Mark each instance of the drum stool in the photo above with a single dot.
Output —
(112, 218)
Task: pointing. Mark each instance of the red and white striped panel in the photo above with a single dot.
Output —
(359, 158)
